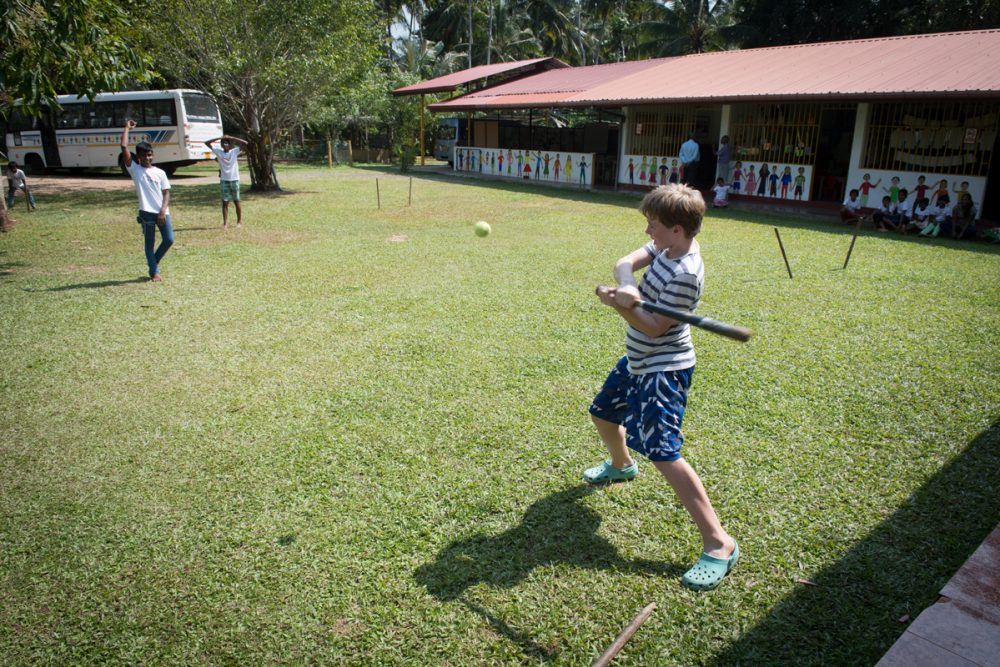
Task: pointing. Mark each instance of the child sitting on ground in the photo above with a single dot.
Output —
(721, 190)
(851, 212)
(903, 211)
(963, 217)
(885, 218)
(940, 217)
(921, 215)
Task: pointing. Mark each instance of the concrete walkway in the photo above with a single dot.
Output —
(962, 628)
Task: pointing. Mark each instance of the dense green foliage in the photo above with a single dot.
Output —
(351, 435)
(266, 62)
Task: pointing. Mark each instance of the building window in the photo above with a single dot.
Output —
(943, 137)
(775, 132)
(661, 132)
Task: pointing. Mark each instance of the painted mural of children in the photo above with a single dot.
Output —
(675, 174)
(772, 182)
(526, 172)
(893, 189)
(546, 160)
(510, 161)
(663, 171)
(631, 171)
(737, 176)
(721, 190)
(962, 189)
(583, 171)
(866, 187)
(493, 163)
(800, 183)
(461, 160)
(538, 165)
(763, 175)
(558, 164)
(500, 160)
(786, 180)
(921, 188)
(751, 181)
(568, 167)
(520, 163)
(643, 168)
(942, 191)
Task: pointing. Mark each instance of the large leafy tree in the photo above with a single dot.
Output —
(53, 47)
(264, 61)
(690, 26)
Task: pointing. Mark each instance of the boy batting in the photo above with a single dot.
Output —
(641, 405)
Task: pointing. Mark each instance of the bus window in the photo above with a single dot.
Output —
(128, 111)
(200, 108)
(73, 117)
(447, 132)
(159, 112)
(104, 115)
(19, 122)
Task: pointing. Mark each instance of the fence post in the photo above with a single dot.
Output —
(329, 153)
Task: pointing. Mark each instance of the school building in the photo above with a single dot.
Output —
(816, 119)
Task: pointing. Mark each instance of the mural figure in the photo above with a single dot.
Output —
(800, 183)
(751, 181)
(786, 180)
(663, 171)
(675, 175)
(583, 171)
(763, 175)
(866, 187)
(737, 177)
(631, 171)
(893, 190)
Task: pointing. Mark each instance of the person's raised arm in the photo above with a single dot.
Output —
(126, 154)
(626, 296)
(212, 141)
(237, 139)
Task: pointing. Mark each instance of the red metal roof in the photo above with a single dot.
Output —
(965, 64)
(450, 82)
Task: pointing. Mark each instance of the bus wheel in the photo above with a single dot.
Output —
(33, 164)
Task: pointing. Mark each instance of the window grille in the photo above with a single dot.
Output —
(775, 132)
(942, 137)
(661, 132)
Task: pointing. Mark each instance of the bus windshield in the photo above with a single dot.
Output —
(447, 132)
(200, 108)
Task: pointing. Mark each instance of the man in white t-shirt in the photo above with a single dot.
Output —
(229, 175)
(153, 188)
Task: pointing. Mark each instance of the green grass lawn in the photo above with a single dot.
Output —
(345, 435)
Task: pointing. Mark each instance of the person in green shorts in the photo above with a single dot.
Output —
(229, 175)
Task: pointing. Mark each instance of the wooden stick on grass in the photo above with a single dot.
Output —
(626, 634)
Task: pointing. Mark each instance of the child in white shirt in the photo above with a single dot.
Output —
(721, 191)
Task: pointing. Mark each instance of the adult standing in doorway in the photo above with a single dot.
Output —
(690, 154)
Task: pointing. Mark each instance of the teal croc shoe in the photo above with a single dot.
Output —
(709, 571)
(608, 473)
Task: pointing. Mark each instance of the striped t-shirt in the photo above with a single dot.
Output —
(676, 283)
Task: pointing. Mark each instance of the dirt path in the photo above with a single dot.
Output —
(108, 182)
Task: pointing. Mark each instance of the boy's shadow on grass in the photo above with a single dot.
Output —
(93, 285)
(555, 529)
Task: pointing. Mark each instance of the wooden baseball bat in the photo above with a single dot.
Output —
(626, 634)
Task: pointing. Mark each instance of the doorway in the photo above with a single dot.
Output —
(833, 154)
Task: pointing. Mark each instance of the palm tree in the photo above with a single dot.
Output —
(511, 37)
(689, 26)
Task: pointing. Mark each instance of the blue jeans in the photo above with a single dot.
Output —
(148, 222)
(10, 197)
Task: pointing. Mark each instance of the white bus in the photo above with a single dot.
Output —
(85, 134)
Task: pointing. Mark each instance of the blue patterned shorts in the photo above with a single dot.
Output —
(230, 190)
(650, 407)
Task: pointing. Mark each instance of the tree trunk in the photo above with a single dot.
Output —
(5, 221)
(260, 158)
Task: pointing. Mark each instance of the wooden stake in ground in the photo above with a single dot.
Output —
(409, 198)
(854, 238)
(378, 197)
(783, 255)
(627, 633)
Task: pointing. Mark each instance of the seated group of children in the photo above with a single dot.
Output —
(958, 221)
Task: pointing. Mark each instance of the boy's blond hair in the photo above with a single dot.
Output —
(675, 204)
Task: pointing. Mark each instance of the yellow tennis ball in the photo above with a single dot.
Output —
(482, 228)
